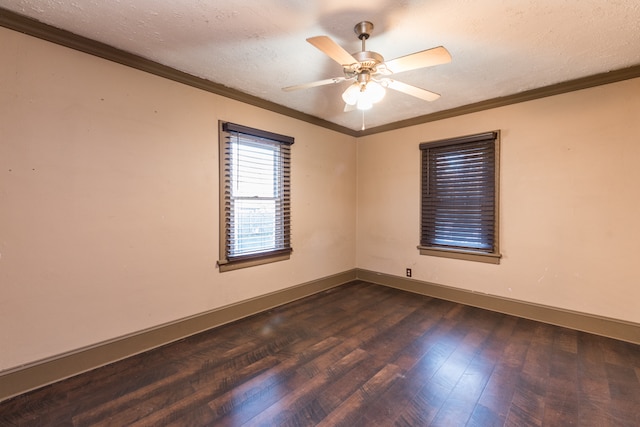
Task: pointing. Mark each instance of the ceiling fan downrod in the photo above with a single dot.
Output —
(366, 60)
(363, 31)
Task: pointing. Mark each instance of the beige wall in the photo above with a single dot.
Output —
(109, 201)
(569, 202)
(109, 212)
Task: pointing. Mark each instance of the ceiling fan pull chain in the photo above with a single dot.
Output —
(362, 119)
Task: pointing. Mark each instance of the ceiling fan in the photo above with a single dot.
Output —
(370, 73)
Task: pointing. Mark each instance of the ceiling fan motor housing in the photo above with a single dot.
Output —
(368, 60)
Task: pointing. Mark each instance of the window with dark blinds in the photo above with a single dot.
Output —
(255, 196)
(460, 197)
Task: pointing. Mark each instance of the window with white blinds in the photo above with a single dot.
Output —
(460, 198)
(255, 196)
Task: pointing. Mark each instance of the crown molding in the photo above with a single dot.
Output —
(32, 27)
(529, 95)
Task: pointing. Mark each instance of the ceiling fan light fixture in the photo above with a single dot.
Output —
(364, 104)
(370, 93)
(374, 91)
(363, 96)
(352, 94)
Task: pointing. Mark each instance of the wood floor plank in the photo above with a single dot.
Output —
(345, 386)
(306, 383)
(468, 378)
(352, 408)
(426, 382)
(419, 361)
(254, 394)
(361, 355)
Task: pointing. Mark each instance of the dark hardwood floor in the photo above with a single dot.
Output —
(358, 355)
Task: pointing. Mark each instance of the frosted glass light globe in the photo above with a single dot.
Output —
(352, 94)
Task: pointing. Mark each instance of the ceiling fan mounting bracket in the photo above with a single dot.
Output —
(363, 29)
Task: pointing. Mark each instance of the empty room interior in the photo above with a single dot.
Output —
(114, 215)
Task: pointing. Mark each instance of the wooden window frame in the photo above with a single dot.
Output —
(232, 258)
(457, 232)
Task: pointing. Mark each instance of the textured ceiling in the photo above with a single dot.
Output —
(499, 47)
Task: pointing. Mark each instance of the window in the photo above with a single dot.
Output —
(254, 197)
(460, 198)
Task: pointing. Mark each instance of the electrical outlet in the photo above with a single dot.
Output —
(408, 272)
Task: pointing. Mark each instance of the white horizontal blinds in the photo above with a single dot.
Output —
(459, 194)
(257, 193)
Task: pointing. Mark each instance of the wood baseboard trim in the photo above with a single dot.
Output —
(41, 373)
(22, 379)
(599, 325)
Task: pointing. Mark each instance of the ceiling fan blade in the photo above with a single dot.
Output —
(412, 90)
(314, 84)
(426, 58)
(333, 50)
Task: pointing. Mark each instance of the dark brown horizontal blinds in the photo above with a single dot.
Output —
(459, 194)
(257, 204)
